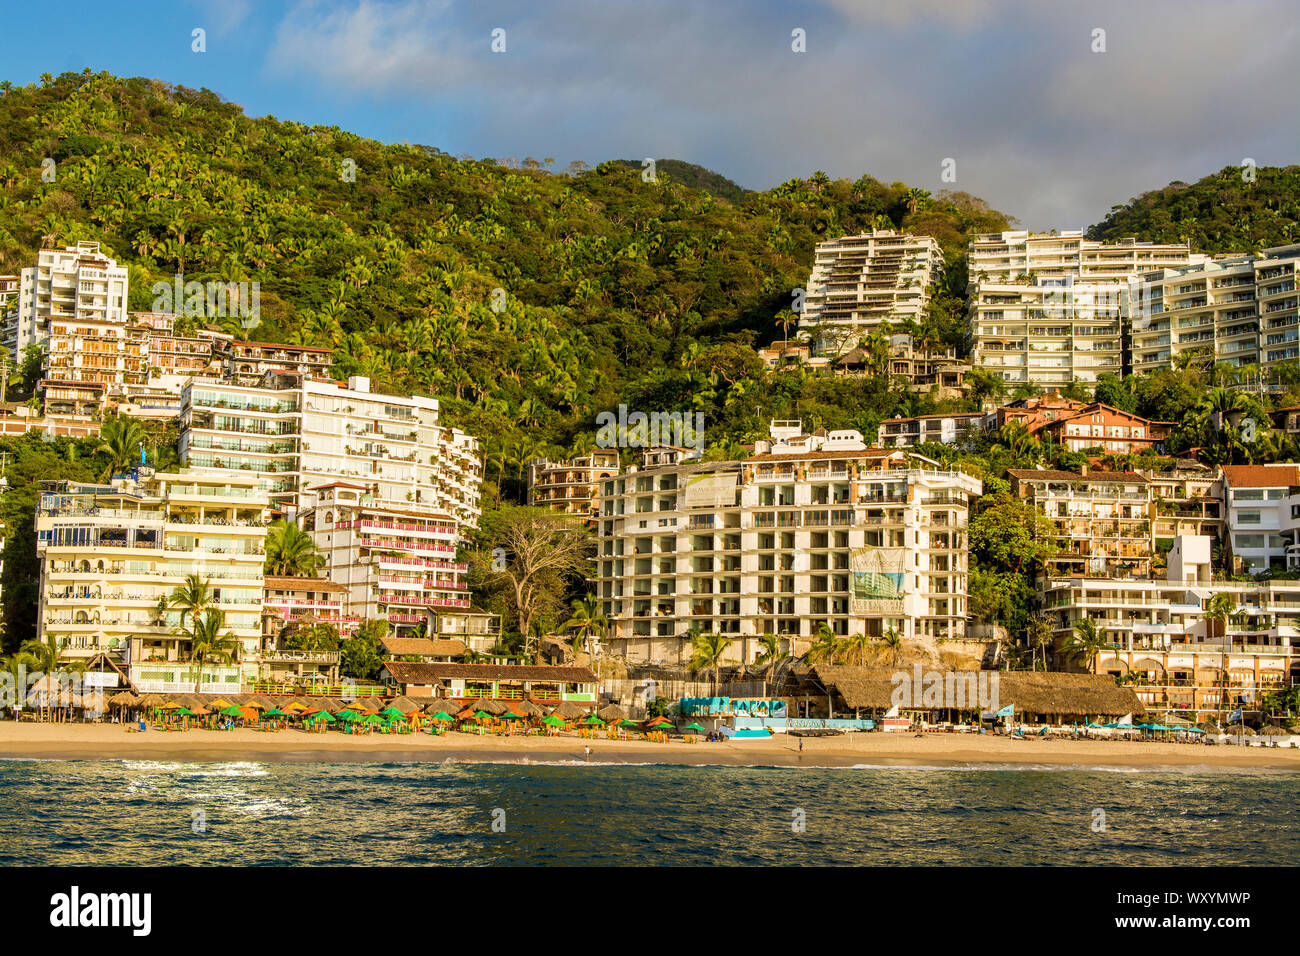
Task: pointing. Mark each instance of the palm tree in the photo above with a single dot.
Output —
(825, 646)
(122, 439)
(892, 641)
(1085, 643)
(208, 644)
(772, 655)
(1039, 632)
(706, 654)
(290, 551)
(45, 655)
(193, 598)
(857, 646)
(1217, 611)
(586, 621)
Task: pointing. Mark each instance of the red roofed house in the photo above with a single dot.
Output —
(1263, 515)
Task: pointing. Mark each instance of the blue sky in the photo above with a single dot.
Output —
(1039, 124)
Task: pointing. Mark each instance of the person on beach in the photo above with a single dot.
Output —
(587, 755)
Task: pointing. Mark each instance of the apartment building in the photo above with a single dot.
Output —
(570, 485)
(1161, 639)
(956, 428)
(859, 282)
(78, 287)
(290, 603)
(109, 554)
(1050, 309)
(1098, 425)
(1187, 500)
(1263, 513)
(1101, 520)
(302, 433)
(809, 530)
(247, 363)
(396, 560)
(9, 287)
(1239, 310)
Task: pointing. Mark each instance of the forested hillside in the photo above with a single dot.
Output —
(1220, 214)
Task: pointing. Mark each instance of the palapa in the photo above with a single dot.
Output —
(485, 704)
(526, 708)
(405, 705)
(568, 710)
(611, 713)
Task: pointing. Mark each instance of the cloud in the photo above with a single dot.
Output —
(1040, 126)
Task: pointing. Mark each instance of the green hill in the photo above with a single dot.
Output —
(697, 177)
(613, 290)
(1219, 214)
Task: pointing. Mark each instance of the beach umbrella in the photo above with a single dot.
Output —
(627, 723)
(593, 720)
(391, 712)
(172, 705)
(274, 712)
(220, 704)
(324, 715)
(660, 720)
(553, 721)
(511, 715)
(347, 715)
(183, 712)
(483, 715)
(231, 711)
(255, 704)
(372, 719)
(443, 716)
(201, 711)
(248, 713)
(695, 727)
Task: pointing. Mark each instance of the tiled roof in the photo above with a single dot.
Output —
(1037, 474)
(1262, 476)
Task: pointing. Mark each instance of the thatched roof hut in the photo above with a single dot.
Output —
(568, 710)
(1032, 692)
(491, 706)
(611, 713)
(152, 700)
(405, 704)
(124, 699)
(527, 708)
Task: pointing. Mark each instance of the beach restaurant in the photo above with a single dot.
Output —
(544, 683)
(834, 690)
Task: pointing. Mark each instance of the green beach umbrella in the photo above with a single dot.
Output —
(274, 712)
(593, 719)
(324, 715)
(694, 727)
(553, 721)
(443, 716)
(346, 716)
(628, 723)
(231, 712)
(372, 719)
(391, 712)
(183, 712)
(511, 715)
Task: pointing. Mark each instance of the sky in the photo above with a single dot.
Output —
(1046, 118)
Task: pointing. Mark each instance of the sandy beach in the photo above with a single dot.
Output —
(113, 742)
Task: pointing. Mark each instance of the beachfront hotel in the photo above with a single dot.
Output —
(396, 560)
(1263, 516)
(298, 603)
(859, 282)
(1049, 308)
(1161, 640)
(1238, 310)
(810, 529)
(110, 552)
(301, 434)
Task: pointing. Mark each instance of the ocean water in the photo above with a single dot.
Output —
(161, 813)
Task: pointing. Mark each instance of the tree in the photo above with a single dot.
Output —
(706, 654)
(530, 553)
(360, 656)
(121, 439)
(46, 655)
(586, 621)
(1084, 643)
(892, 641)
(290, 551)
(772, 655)
(1011, 534)
(1218, 610)
(193, 598)
(209, 644)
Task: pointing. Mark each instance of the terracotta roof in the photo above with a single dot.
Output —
(1102, 406)
(423, 647)
(1036, 474)
(406, 673)
(918, 418)
(300, 584)
(1262, 476)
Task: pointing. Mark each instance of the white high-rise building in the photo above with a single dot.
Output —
(75, 286)
(811, 529)
(859, 282)
(1050, 309)
(305, 434)
(1239, 310)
